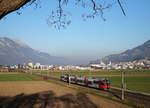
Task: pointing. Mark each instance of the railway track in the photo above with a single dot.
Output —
(136, 98)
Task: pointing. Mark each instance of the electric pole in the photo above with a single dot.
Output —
(123, 85)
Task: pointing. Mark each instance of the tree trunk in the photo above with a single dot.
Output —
(7, 6)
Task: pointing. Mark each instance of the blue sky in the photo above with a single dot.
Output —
(82, 41)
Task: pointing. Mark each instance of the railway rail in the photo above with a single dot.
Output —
(135, 98)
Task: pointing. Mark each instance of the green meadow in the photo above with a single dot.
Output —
(136, 83)
(17, 77)
(137, 80)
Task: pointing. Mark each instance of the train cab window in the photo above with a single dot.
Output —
(107, 82)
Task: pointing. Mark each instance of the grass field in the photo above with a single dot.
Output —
(17, 77)
(106, 73)
(137, 80)
(136, 83)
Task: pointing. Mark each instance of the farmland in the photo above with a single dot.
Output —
(136, 83)
(137, 80)
(106, 73)
(17, 77)
(21, 90)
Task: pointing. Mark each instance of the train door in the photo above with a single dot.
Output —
(72, 79)
(93, 83)
(96, 83)
(90, 83)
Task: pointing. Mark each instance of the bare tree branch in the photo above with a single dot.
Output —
(59, 17)
(121, 7)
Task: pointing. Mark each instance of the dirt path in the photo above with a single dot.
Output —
(38, 94)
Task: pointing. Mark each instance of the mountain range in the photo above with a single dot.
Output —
(16, 52)
(137, 53)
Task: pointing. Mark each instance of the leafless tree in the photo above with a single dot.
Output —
(59, 17)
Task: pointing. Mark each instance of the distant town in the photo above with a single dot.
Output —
(137, 64)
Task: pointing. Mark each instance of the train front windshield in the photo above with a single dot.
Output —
(107, 82)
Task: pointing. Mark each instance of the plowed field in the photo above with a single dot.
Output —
(37, 94)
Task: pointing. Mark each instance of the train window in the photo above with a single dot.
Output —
(107, 81)
(96, 82)
(89, 82)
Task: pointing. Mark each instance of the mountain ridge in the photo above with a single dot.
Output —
(16, 52)
(137, 53)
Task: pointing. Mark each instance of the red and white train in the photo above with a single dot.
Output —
(94, 82)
